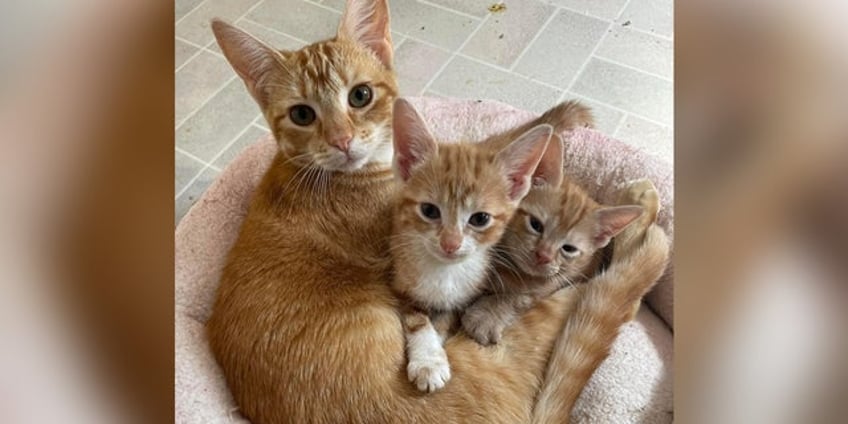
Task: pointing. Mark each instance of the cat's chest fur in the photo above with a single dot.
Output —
(446, 286)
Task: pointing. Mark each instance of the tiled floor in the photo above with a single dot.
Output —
(616, 55)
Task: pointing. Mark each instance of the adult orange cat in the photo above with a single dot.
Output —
(304, 325)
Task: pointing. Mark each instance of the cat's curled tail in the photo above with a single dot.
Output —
(567, 116)
(608, 301)
(564, 117)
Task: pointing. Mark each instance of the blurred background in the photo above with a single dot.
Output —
(614, 55)
(87, 112)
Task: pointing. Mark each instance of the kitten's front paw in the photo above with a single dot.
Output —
(483, 327)
(429, 373)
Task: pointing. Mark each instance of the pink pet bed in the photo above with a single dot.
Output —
(633, 385)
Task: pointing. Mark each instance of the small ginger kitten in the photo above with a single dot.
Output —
(554, 239)
(454, 203)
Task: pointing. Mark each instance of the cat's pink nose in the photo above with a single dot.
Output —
(342, 142)
(449, 246)
(543, 258)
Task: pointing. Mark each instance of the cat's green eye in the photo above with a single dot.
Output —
(479, 219)
(430, 211)
(535, 224)
(360, 96)
(302, 115)
(569, 249)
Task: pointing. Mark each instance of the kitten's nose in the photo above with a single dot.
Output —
(342, 142)
(543, 258)
(450, 246)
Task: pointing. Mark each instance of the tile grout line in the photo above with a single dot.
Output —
(542, 83)
(205, 102)
(247, 19)
(455, 53)
(190, 58)
(191, 156)
(260, 126)
(198, 46)
(533, 40)
(214, 158)
(200, 50)
(220, 89)
(620, 124)
(190, 182)
(233, 141)
(632, 68)
(322, 6)
(189, 13)
(594, 50)
(454, 11)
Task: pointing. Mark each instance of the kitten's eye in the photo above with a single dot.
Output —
(430, 211)
(302, 115)
(535, 224)
(360, 96)
(479, 219)
(569, 249)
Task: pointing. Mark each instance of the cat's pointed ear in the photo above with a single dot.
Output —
(413, 143)
(610, 221)
(549, 171)
(520, 158)
(367, 23)
(252, 59)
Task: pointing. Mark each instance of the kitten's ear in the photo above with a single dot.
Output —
(549, 171)
(520, 158)
(252, 59)
(367, 23)
(412, 141)
(610, 221)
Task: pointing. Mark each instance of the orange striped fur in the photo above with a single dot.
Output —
(305, 325)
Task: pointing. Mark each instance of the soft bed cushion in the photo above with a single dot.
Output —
(633, 385)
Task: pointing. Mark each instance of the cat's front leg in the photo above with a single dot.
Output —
(428, 367)
(487, 318)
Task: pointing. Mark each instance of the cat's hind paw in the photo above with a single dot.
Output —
(429, 374)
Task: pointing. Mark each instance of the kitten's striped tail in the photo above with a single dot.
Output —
(567, 116)
(564, 117)
(607, 302)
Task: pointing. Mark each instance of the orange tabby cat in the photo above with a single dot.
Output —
(305, 326)
(453, 205)
(555, 239)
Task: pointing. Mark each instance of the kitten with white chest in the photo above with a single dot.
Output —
(453, 204)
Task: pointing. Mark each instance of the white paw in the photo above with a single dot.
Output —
(429, 373)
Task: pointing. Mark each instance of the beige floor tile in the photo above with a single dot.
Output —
(627, 89)
(434, 25)
(506, 34)
(656, 16)
(218, 122)
(562, 48)
(605, 9)
(297, 18)
(468, 79)
(195, 26)
(185, 168)
(648, 136)
(638, 49)
(416, 64)
(182, 52)
(197, 81)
